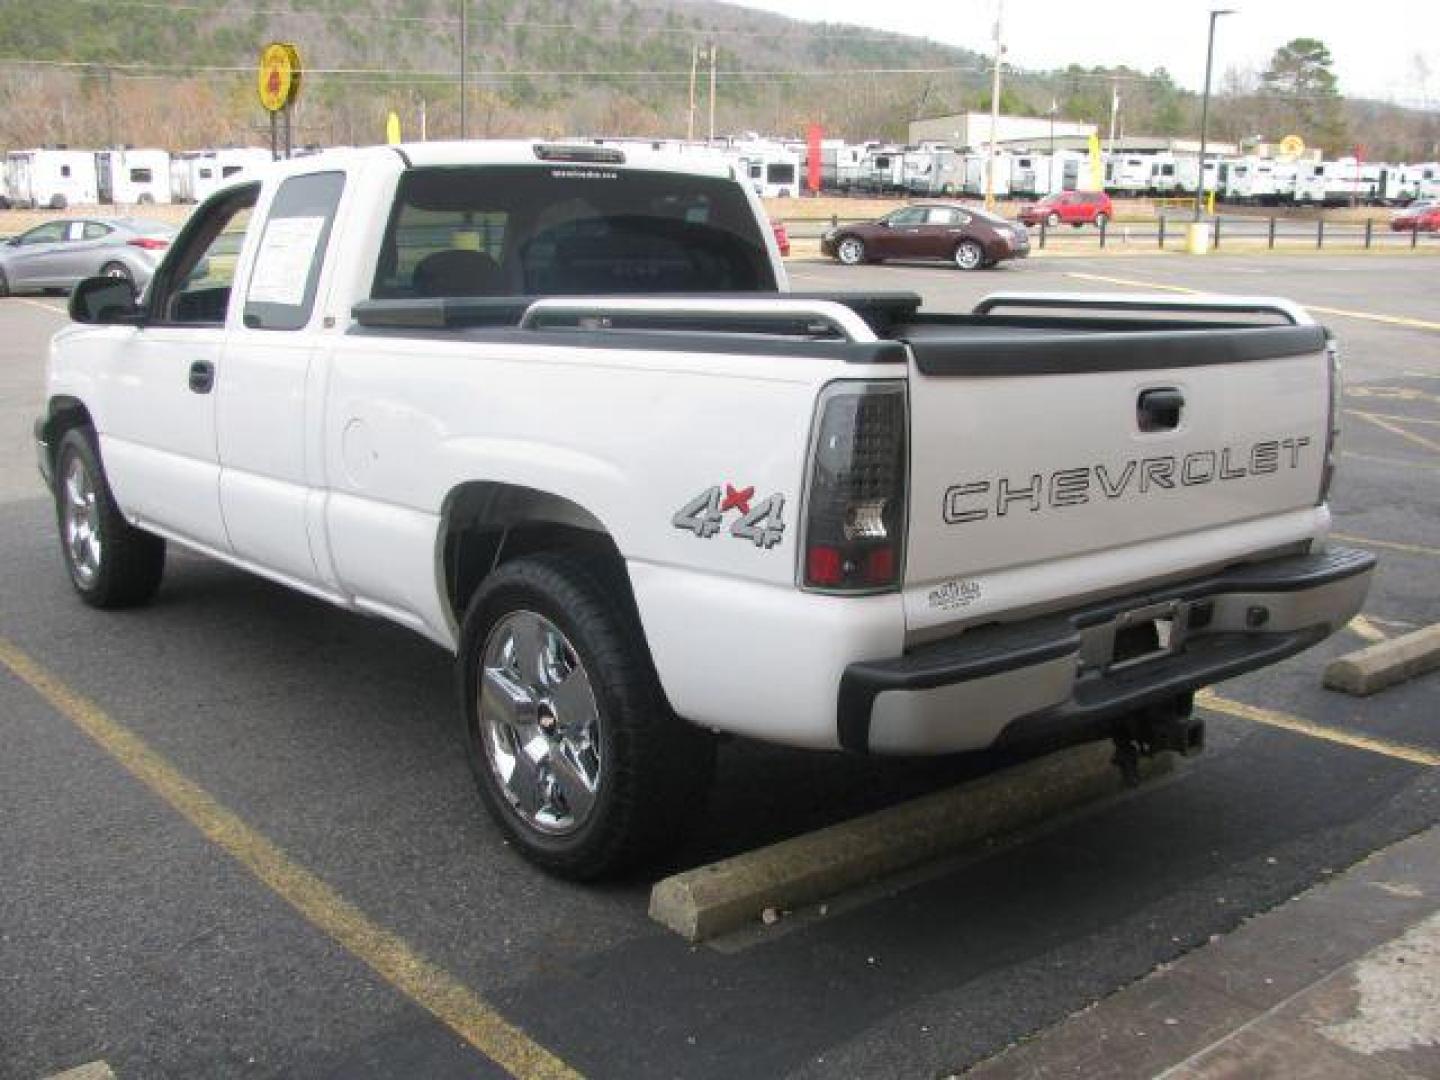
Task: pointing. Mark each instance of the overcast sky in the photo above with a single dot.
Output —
(1374, 44)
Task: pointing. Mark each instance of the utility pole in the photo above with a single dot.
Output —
(694, 64)
(463, 20)
(1050, 169)
(714, 51)
(1114, 112)
(993, 161)
(1205, 108)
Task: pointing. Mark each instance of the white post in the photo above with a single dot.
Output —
(694, 63)
(714, 51)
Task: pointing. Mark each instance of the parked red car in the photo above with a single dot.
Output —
(1417, 217)
(782, 238)
(1070, 208)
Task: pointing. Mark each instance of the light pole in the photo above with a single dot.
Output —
(1205, 107)
(1050, 166)
(994, 108)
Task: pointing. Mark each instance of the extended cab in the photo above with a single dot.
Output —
(553, 408)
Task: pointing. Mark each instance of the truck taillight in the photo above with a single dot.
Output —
(854, 538)
(1332, 436)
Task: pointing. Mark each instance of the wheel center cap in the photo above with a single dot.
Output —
(547, 720)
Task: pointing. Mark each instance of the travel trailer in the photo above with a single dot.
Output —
(1128, 174)
(883, 169)
(196, 174)
(132, 177)
(1174, 174)
(51, 178)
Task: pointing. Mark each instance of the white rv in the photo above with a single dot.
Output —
(51, 178)
(196, 174)
(976, 179)
(1128, 174)
(772, 169)
(134, 177)
(1259, 180)
(1334, 183)
(883, 169)
(1030, 174)
(1174, 174)
(931, 169)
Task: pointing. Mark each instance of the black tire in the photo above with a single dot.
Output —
(128, 563)
(654, 770)
(4, 284)
(119, 271)
(58, 202)
(969, 255)
(850, 250)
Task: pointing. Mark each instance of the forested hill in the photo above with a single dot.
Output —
(150, 72)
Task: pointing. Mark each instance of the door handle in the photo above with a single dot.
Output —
(202, 376)
(1159, 409)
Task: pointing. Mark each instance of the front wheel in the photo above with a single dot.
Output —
(969, 255)
(851, 251)
(577, 756)
(112, 564)
(119, 271)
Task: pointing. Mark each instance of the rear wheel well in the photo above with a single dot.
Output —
(487, 525)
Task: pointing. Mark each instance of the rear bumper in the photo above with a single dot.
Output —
(1053, 679)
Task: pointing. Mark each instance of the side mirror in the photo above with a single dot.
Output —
(104, 300)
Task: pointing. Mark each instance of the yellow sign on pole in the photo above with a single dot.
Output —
(1292, 146)
(1097, 164)
(279, 76)
(392, 129)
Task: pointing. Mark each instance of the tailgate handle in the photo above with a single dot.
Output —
(1160, 409)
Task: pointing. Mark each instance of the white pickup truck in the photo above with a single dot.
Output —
(553, 408)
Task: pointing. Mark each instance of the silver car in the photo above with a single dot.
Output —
(58, 254)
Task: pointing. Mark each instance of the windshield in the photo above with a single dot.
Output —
(565, 230)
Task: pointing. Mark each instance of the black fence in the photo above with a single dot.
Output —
(1235, 231)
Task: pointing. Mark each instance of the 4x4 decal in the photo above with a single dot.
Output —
(761, 524)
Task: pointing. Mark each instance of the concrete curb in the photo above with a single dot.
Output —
(1385, 663)
(724, 896)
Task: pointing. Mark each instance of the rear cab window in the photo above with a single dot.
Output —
(558, 230)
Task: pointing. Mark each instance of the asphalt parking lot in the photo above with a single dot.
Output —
(329, 900)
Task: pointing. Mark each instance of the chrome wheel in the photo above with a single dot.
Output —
(81, 512)
(851, 251)
(539, 723)
(969, 256)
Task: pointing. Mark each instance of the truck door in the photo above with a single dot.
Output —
(157, 422)
(267, 496)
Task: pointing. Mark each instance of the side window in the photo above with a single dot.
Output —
(141, 176)
(231, 170)
(94, 230)
(65, 170)
(939, 215)
(192, 286)
(49, 233)
(905, 219)
(292, 250)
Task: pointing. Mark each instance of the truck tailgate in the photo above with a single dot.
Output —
(1090, 449)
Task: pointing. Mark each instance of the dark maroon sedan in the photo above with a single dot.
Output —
(968, 236)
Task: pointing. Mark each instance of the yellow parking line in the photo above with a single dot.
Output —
(425, 984)
(1362, 627)
(1208, 699)
(42, 305)
(1368, 316)
(1418, 440)
(1390, 545)
(1403, 419)
(1393, 462)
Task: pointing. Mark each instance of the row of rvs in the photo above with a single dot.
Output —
(776, 168)
(57, 178)
(779, 168)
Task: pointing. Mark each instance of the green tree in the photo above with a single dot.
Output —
(1306, 94)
